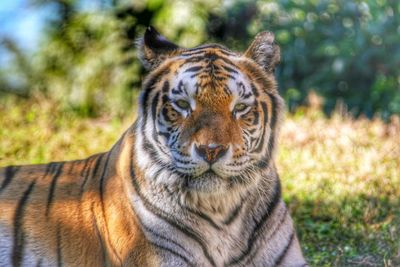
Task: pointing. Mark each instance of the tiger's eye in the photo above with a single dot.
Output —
(240, 107)
(183, 104)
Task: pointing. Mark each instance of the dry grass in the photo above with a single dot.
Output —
(342, 182)
(341, 176)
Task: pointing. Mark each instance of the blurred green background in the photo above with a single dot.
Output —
(346, 51)
(69, 80)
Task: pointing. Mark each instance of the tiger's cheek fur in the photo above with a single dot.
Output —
(169, 123)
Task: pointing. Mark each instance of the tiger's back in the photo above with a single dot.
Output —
(57, 213)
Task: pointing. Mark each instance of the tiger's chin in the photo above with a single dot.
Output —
(211, 182)
(207, 182)
(212, 194)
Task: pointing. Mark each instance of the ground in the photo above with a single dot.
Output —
(340, 176)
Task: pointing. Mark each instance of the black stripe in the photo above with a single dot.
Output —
(148, 229)
(71, 165)
(166, 217)
(254, 90)
(226, 52)
(165, 134)
(53, 187)
(229, 69)
(154, 114)
(202, 47)
(159, 236)
(102, 178)
(85, 174)
(256, 118)
(285, 250)
(176, 91)
(255, 233)
(101, 189)
(194, 69)
(277, 227)
(149, 87)
(154, 155)
(165, 87)
(271, 141)
(97, 231)
(149, 148)
(19, 235)
(262, 163)
(49, 169)
(261, 144)
(203, 216)
(9, 173)
(94, 172)
(59, 248)
(39, 263)
(174, 253)
(233, 214)
(211, 57)
(85, 166)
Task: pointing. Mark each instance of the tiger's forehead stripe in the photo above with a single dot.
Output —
(212, 67)
(257, 76)
(213, 47)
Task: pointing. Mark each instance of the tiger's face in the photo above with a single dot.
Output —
(208, 114)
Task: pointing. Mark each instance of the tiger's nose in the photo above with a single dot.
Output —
(211, 152)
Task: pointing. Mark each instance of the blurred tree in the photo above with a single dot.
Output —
(85, 57)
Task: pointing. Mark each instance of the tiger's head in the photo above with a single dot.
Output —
(208, 117)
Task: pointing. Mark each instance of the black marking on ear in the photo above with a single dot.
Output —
(153, 48)
(155, 41)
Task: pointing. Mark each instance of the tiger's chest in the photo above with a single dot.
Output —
(197, 248)
(193, 241)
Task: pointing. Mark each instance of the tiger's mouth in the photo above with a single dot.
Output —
(209, 174)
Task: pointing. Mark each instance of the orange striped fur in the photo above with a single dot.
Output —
(191, 183)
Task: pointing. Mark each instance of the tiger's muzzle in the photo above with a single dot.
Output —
(211, 153)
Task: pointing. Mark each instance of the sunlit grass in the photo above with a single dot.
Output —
(340, 176)
(342, 183)
(40, 132)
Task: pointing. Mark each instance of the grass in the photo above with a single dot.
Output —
(340, 176)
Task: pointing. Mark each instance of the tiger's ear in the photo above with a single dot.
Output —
(154, 48)
(264, 51)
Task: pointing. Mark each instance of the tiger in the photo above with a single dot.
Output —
(192, 182)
